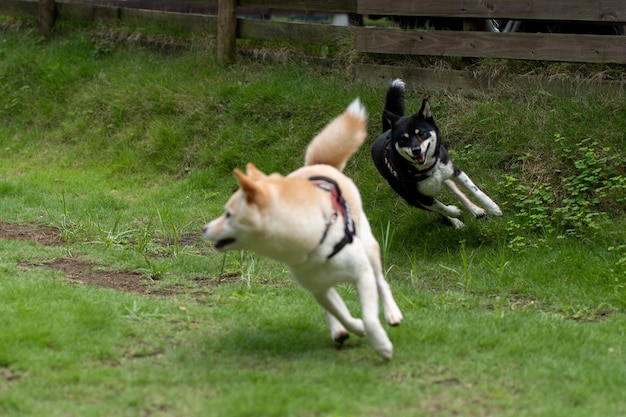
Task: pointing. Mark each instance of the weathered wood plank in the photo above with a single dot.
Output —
(214, 2)
(106, 13)
(424, 78)
(19, 8)
(179, 6)
(549, 47)
(74, 11)
(314, 34)
(336, 6)
(588, 10)
(227, 31)
(190, 22)
(431, 80)
(47, 12)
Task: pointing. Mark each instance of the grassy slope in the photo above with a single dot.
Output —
(110, 146)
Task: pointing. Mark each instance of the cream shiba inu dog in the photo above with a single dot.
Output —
(313, 221)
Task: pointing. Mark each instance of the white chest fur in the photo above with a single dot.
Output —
(432, 185)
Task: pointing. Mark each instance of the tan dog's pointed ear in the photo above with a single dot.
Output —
(253, 172)
(250, 188)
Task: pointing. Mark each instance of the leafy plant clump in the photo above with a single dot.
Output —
(589, 185)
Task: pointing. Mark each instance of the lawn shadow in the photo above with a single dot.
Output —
(431, 231)
(284, 339)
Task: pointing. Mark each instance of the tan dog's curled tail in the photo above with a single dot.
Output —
(340, 139)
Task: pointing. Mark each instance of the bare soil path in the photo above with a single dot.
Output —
(76, 270)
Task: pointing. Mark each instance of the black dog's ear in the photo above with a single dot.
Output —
(425, 110)
(390, 118)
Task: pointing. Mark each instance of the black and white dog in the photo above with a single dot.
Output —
(410, 156)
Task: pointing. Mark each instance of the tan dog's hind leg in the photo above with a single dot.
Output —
(336, 308)
(337, 331)
(374, 331)
(393, 315)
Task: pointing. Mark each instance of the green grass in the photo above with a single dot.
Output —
(127, 153)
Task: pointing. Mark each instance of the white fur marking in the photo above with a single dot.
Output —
(398, 83)
(466, 183)
(357, 108)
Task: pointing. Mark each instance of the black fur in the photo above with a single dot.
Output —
(395, 126)
(410, 156)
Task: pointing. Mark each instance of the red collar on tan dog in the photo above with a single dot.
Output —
(340, 206)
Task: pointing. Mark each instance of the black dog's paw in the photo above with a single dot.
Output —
(478, 212)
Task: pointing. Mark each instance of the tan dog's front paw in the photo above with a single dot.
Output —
(341, 337)
(385, 350)
(393, 316)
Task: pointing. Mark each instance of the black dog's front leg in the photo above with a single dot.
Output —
(409, 192)
(425, 202)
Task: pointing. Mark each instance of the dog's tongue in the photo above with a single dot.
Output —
(420, 159)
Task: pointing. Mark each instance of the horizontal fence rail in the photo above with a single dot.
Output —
(227, 19)
(527, 46)
(561, 10)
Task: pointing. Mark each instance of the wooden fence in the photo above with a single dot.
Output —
(469, 41)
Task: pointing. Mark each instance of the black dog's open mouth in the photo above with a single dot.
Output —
(224, 242)
(421, 158)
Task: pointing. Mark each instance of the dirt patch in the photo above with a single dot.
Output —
(44, 235)
(93, 274)
(86, 273)
(9, 375)
(77, 270)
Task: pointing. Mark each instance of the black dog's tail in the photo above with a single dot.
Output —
(394, 101)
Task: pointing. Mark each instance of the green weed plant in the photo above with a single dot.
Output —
(583, 194)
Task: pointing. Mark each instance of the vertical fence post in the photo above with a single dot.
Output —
(226, 31)
(46, 17)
